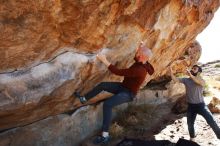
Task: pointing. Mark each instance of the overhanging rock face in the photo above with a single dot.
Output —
(48, 47)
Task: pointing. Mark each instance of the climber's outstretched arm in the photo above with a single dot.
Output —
(127, 72)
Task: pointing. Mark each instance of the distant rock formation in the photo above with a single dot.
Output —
(214, 105)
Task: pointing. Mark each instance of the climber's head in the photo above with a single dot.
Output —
(196, 70)
(143, 54)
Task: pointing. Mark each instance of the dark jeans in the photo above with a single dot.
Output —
(202, 109)
(121, 95)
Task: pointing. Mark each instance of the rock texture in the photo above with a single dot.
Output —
(214, 105)
(64, 129)
(180, 106)
(70, 129)
(189, 58)
(48, 47)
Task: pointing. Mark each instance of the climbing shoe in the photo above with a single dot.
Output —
(82, 99)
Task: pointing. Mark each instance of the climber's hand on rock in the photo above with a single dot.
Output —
(103, 59)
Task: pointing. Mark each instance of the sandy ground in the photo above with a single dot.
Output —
(178, 129)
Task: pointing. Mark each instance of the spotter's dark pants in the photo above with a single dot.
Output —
(202, 109)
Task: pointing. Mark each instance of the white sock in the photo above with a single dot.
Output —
(105, 134)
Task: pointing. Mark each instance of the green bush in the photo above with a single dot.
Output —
(217, 66)
(206, 91)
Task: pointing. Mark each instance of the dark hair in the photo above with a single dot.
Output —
(199, 68)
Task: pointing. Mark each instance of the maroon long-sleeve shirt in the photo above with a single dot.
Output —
(134, 76)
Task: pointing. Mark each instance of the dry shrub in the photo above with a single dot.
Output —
(116, 130)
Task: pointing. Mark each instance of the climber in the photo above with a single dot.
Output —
(124, 91)
(194, 89)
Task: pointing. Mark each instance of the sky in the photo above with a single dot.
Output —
(209, 40)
